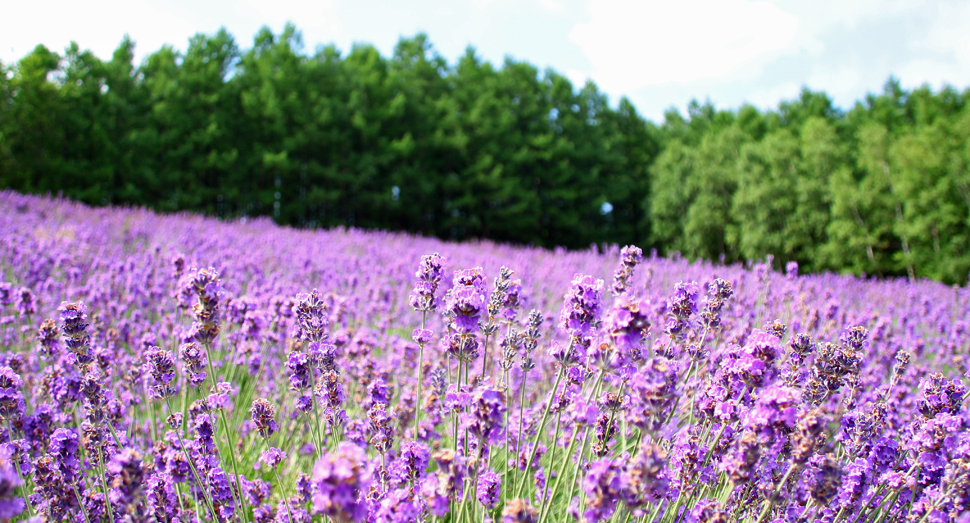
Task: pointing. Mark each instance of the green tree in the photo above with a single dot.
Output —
(33, 124)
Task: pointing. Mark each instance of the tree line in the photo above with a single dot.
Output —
(471, 150)
(881, 189)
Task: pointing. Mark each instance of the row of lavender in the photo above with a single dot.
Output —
(174, 368)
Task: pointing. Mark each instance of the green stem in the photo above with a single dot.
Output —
(198, 479)
(717, 439)
(178, 494)
(185, 408)
(455, 423)
(542, 426)
(316, 413)
(518, 442)
(866, 506)
(507, 410)
(243, 505)
(547, 503)
(776, 491)
(619, 396)
(80, 502)
(582, 453)
(484, 356)
(16, 465)
(104, 485)
(151, 408)
(417, 403)
(673, 410)
(895, 496)
(279, 481)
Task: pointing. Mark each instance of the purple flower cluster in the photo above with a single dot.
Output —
(340, 481)
(230, 393)
(580, 313)
(423, 297)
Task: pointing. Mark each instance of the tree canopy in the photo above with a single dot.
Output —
(476, 150)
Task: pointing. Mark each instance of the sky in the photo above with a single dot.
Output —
(659, 54)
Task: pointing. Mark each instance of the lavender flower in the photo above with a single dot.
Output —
(11, 505)
(264, 417)
(652, 393)
(26, 302)
(489, 489)
(379, 428)
(161, 498)
(397, 506)
(485, 417)
(63, 449)
(630, 257)
(47, 336)
(12, 406)
(221, 493)
(603, 486)
(127, 474)
(411, 464)
(466, 303)
(939, 395)
(207, 288)
(580, 313)
(718, 292)
(519, 511)
(194, 359)
(161, 366)
(502, 302)
(628, 322)
(311, 316)
(451, 474)
(683, 304)
(340, 480)
(73, 325)
(6, 293)
(272, 457)
(644, 479)
(824, 478)
(298, 365)
(429, 275)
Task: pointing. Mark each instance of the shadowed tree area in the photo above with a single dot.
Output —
(476, 150)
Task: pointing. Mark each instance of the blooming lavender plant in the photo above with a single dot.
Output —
(753, 396)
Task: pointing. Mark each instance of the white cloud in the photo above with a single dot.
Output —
(96, 25)
(633, 44)
(819, 19)
(551, 6)
(99, 25)
(949, 38)
(308, 15)
(768, 98)
(657, 52)
(822, 15)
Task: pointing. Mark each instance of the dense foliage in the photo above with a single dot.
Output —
(470, 150)
(406, 142)
(176, 368)
(882, 189)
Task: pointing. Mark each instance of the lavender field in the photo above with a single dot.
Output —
(178, 368)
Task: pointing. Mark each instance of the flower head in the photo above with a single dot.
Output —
(489, 489)
(340, 480)
(10, 504)
(580, 313)
(429, 275)
(519, 511)
(264, 416)
(630, 257)
(272, 457)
